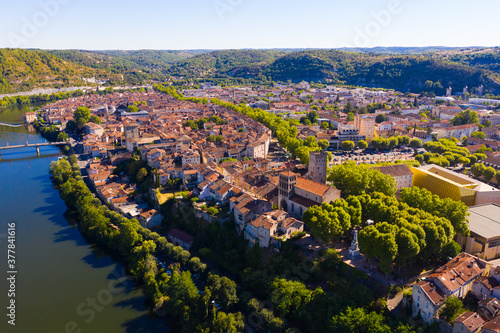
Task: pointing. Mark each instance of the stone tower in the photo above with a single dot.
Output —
(318, 162)
(287, 182)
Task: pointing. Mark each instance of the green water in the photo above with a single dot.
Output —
(63, 284)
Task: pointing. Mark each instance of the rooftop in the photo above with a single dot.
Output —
(484, 220)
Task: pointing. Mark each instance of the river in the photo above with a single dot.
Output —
(63, 284)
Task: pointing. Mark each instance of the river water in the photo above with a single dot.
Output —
(62, 283)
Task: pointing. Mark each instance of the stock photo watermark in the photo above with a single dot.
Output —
(225, 6)
(381, 19)
(11, 273)
(30, 27)
(88, 309)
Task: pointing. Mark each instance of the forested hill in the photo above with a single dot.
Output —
(239, 63)
(27, 69)
(415, 72)
(400, 72)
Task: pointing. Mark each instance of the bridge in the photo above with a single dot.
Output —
(36, 145)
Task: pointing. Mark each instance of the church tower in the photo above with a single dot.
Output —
(318, 162)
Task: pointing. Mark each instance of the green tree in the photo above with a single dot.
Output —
(465, 117)
(380, 118)
(132, 108)
(81, 116)
(95, 119)
(453, 307)
(488, 173)
(360, 321)
(416, 143)
(141, 175)
(350, 116)
(477, 169)
(479, 135)
(362, 144)
(326, 221)
(323, 144)
(348, 145)
(312, 116)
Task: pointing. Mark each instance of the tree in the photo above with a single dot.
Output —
(354, 179)
(95, 119)
(380, 118)
(477, 169)
(453, 308)
(190, 123)
(350, 116)
(326, 221)
(416, 143)
(464, 118)
(404, 140)
(359, 321)
(479, 135)
(81, 116)
(488, 173)
(323, 144)
(497, 177)
(324, 125)
(362, 144)
(141, 175)
(312, 116)
(487, 123)
(212, 211)
(465, 141)
(408, 246)
(132, 108)
(348, 145)
(62, 137)
(223, 291)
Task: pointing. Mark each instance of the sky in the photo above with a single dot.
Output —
(238, 24)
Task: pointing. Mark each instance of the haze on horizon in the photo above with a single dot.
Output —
(245, 24)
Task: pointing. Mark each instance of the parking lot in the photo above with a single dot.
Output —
(370, 156)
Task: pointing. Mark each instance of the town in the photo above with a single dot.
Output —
(401, 187)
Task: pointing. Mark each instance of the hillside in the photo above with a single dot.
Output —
(26, 69)
(378, 67)
(400, 72)
(240, 63)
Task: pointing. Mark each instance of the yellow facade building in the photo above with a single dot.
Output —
(448, 184)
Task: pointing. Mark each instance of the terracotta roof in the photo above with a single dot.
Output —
(470, 320)
(458, 271)
(398, 170)
(493, 325)
(181, 235)
(432, 291)
(312, 186)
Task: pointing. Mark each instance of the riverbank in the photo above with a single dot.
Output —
(168, 288)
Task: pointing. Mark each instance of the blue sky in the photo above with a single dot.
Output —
(228, 24)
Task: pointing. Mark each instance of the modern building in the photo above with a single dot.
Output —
(318, 162)
(366, 125)
(450, 184)
(484, 226)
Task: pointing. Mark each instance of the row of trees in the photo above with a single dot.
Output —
(445, 152)
(175, 293)
(419, 224)
(488, 173)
